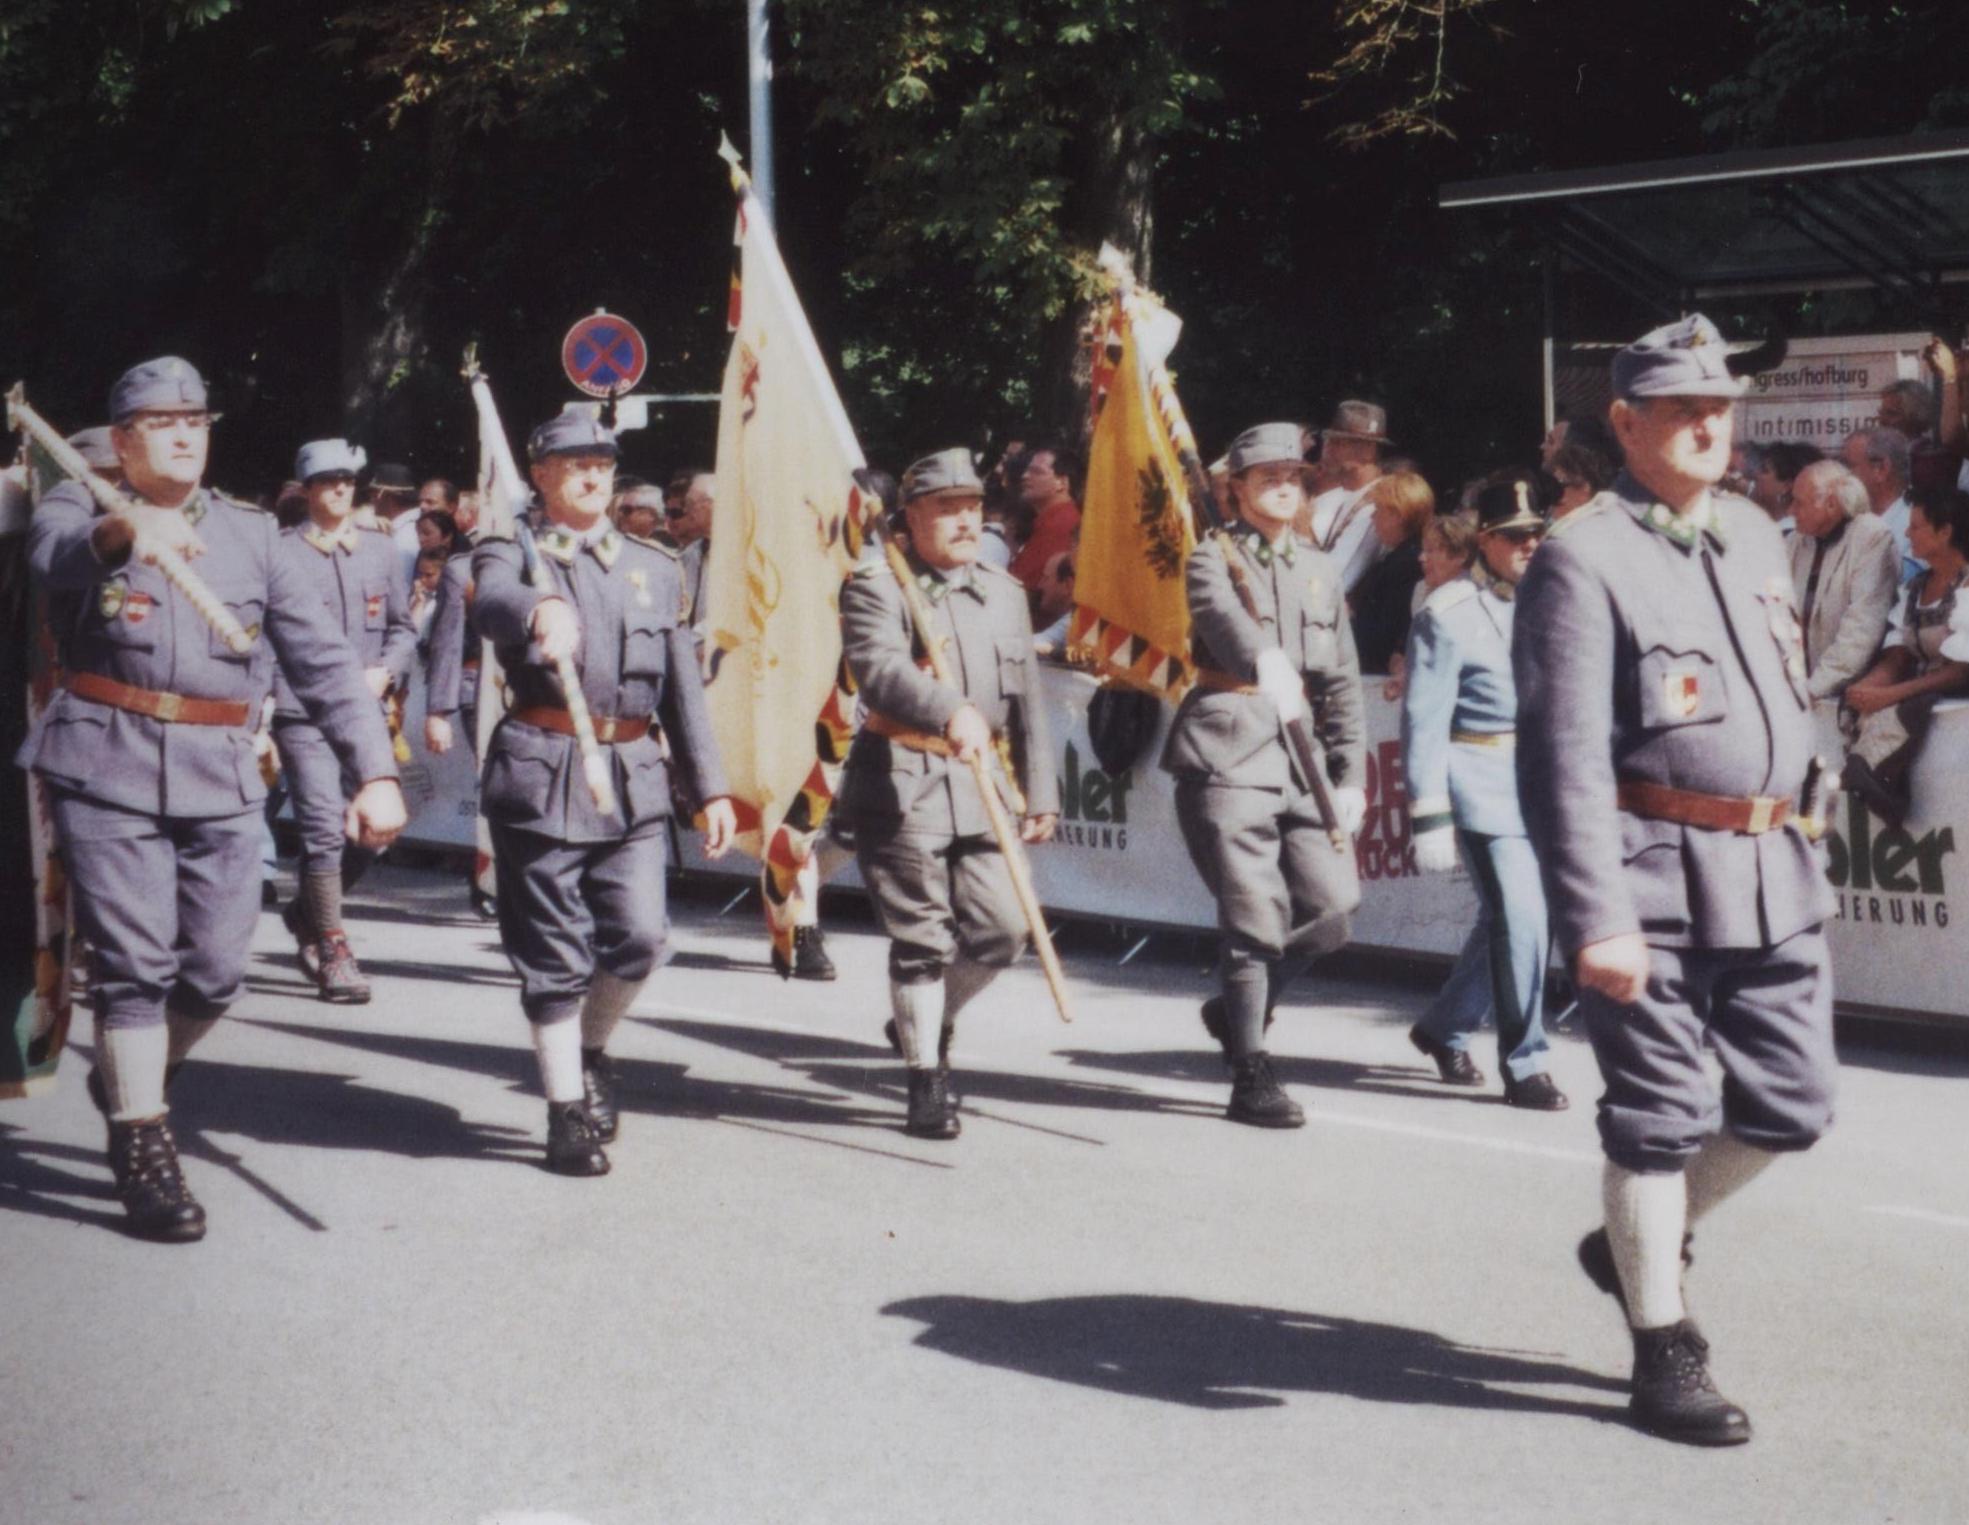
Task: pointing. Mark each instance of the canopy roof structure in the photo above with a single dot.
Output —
(1890, 214)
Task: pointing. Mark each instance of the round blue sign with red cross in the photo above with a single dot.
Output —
(603, 355)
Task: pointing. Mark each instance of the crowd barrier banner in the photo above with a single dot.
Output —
(1119, 856)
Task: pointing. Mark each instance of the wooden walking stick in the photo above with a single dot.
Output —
(1002, 828)
(173, 567)
(595, 769)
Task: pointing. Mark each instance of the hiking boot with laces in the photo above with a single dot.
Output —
(1258, 1099)
(572, 1148)
(144, 1159)
(1674, 1395)
(598, 1092)
(810, 960)
(340, 977)
(932, 1113)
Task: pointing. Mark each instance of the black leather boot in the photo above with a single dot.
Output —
(572, 1148)
(1453, 1065)
(810, 960)
(932, 1114)
(144, 1159)
(1258, 1099)
(1596, 1260)
(598, 1092)
(1674, 1395)
(294, 917)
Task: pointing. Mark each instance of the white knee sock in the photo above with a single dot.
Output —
(806, 893)
(557, 1044)
(1646, 1217)
(186, 1033)
(919, 1017)
(132, 1063)
(1723, 1165)
(963, 982)
(609, 1000)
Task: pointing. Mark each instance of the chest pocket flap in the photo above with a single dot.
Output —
(645, 648)
(1679, 688)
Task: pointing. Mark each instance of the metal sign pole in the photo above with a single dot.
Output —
(759, 73)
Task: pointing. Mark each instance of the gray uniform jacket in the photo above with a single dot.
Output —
(1459, 682)
(1648, 651)
(355, 577)
(1847, 607)
(980, 615)
(635, 661)
(448, 685)
(127, 623)
(1232, 737)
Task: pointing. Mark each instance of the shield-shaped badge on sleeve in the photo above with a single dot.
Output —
(1682, 693)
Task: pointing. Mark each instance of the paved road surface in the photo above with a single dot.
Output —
(1103, 1303)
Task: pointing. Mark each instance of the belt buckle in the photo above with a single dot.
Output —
(169, 706)
(1763, 812)
(605, 730)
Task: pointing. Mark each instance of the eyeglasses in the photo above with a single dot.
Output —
(674, 513)
(157, 423)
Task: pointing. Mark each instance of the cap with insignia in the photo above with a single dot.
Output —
(1265, 445)
(94, 447)
(166, 385)
(1509, 505)
(947, 471)
(578, 433)
(1683, 359)
(1357, 420)
(329, 457)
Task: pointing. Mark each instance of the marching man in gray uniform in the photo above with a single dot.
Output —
(1250, 820)
(581, 892)
(941, 886)
(356, 573)
(1459, 735)
(1665, 740)
(149, 760)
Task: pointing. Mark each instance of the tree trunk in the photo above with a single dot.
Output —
(383, 325)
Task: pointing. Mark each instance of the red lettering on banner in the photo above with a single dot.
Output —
(1382, 850)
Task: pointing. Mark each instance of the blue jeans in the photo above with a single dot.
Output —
(1502, 965)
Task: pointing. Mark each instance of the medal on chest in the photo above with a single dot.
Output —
(372, 607)
(639, 584)
(137, 606)
(111, 596)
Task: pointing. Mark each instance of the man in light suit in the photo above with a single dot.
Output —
(1846, 567)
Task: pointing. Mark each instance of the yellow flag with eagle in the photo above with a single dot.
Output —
(1131, 620)
(788, 530)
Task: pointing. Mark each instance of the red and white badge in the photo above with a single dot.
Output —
(1682, 692)
(137, 607)
(373, 609)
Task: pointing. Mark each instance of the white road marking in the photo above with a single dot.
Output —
(1921, 1215)
(1449, 1136)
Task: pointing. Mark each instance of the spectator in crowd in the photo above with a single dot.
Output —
(424, 593)
(675, 491)
(438, 494)
(1049, 486)
(1926, 659)
(1220, 490)
(467, 514)
(1582, 429)
(1746, 460)
(1053, 600)
(1401, 506)
(1002, 534)
(1879, 458)
(1339, 520)
(690, 526)
(291, 506)
(638, 509)
(391, 504)
(437, 530)
(1777, 469)
(1846, 568)
(1579, 473)
(1449, 546)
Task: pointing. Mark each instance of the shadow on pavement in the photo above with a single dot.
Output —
(1229, 1356)
(1206, 1066)
(33, 1181)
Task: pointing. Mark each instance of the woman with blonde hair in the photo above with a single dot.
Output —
(1384, 597)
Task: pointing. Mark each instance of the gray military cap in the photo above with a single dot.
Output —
(94, 447)
(947, 471)
(577, 433)
(1683, 359)
(166, 385)
(326, 457)
(1265, 445)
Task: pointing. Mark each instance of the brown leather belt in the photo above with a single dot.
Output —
(1750, 817)
(1223, 683)
(1502, 740)
(176, 709)
(608, 730)
(908, 736)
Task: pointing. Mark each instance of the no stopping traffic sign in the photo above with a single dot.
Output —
(604, 355)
